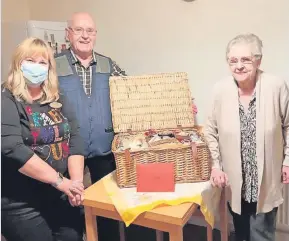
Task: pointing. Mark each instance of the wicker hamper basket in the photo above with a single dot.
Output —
(159, 102)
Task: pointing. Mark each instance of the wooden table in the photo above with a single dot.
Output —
(169, 219)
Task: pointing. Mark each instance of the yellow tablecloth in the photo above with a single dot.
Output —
(130, 203)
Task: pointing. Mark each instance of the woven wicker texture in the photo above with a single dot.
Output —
(190, 164)
(159, 102)
(146, 102)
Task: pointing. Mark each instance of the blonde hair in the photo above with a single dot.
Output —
(16, 83)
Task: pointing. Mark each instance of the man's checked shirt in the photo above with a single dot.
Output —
(85, 73)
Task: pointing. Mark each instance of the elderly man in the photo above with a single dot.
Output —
(84, 78)
(248, 135)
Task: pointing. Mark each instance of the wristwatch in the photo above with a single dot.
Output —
(59, 180)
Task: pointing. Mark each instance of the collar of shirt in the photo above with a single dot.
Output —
(75, 60)
(253, 97)
(251, 103)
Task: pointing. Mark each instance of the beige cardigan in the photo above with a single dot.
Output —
(222, 132)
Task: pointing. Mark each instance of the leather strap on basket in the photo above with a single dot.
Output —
(194, 150)
(127, 155)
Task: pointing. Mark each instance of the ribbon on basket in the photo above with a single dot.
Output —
(194, 149)
(193, 145)
(127, 155)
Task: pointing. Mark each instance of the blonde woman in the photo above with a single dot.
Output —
(41, 152)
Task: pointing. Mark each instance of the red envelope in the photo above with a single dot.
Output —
(155, 177)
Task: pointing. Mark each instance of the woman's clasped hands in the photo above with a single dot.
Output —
(74, 189)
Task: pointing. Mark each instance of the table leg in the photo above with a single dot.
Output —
(224, 216)
(159, 235)
(122, 231)
(91, 225)
(176, 234)
(209, 233)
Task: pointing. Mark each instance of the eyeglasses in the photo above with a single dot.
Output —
(79, 31)
(243, 60)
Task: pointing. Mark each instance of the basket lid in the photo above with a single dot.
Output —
(157, 101)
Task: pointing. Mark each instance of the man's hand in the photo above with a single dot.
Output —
(77, 198)
(70, 188)
(285, 174)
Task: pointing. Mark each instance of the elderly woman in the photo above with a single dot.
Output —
(248, 135)
(41, 152)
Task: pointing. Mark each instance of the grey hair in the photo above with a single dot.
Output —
(251, 39)
(70, 21)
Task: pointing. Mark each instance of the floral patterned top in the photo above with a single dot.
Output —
(248, 151)
(49, 132)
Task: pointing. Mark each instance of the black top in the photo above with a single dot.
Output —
(51, 133)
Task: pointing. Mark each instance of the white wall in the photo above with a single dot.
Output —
(173, 35)
(14, 15)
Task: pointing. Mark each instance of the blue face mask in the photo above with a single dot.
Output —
(34, 73)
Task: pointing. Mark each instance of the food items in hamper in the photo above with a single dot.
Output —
(154, 138)
(132, 143)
